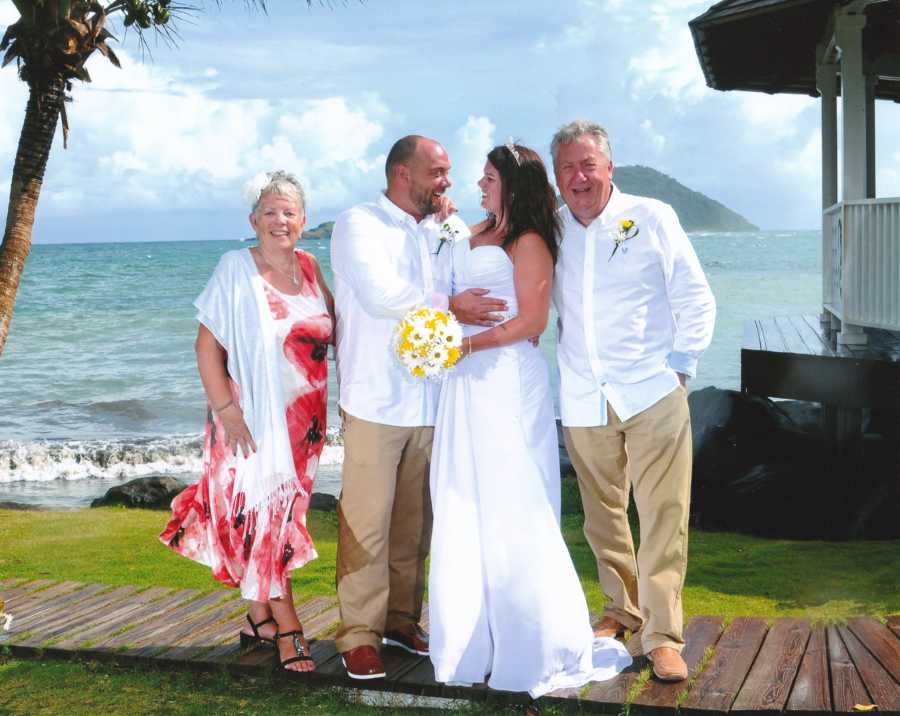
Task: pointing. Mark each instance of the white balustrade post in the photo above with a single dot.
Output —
(849, 24)
(826, 80)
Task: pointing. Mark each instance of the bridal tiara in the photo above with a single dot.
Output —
(511, 146)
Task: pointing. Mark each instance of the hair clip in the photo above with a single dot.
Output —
(511, 146)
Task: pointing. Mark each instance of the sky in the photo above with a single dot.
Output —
(160, 149)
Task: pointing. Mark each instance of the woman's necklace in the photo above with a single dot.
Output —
(292, 277)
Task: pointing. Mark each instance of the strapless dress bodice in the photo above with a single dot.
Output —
(487, 266)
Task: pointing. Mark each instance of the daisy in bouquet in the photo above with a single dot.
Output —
(428, 342)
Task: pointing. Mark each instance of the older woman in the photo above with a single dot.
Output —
(266, 318)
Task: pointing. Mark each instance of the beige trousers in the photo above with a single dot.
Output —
(650, 453)
(384, 529)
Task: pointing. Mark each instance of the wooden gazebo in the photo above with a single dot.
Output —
(827, 49)
(846, 51)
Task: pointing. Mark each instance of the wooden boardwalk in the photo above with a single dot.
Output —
(749, 665)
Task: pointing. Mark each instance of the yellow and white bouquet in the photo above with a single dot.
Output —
(428, 342)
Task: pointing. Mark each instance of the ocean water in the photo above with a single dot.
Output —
(98, 382)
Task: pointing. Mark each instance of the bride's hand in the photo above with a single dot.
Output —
(446, 207)
(237, 434)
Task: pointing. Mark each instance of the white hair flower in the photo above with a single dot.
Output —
(253, 188)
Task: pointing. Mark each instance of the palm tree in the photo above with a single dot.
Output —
(50, 42)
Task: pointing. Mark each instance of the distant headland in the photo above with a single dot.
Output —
(696, 211)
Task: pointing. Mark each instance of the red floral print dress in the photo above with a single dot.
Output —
(257, 549)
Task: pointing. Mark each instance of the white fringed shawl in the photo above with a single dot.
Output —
(234, 308)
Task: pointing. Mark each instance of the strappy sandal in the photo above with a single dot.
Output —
(248, 640)
(297, 635)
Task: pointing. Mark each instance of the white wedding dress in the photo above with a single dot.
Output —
(505, 602)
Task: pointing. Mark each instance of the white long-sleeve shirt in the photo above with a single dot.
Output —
(629, 320)
(384, 264)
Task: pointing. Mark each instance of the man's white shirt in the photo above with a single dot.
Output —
(629, 320)
(384, 264)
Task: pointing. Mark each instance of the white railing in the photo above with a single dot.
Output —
(861, 262)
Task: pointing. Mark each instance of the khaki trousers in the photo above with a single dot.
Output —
(384, 530)
(651, 454)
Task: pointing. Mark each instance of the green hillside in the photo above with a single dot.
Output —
(696, 211)
(322, 231)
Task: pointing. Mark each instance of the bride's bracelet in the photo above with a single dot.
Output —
(467, 341)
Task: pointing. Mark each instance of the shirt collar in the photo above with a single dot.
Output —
(395, 213)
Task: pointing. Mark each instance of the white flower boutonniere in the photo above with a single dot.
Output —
(627, 230)
(447, 235)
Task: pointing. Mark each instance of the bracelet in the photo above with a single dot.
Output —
(467, 352)
(220, 409)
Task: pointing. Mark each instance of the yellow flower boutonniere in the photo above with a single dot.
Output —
(628, 229)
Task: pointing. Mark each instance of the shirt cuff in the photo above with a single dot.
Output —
(682, 363)
(440, 301)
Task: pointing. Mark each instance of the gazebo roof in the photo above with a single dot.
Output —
(770, 45)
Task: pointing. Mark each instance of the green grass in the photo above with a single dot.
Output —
(728, 575)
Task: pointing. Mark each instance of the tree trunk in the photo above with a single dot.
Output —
(41, 116)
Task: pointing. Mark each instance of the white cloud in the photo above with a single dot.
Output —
(776, 115)
(474, 140)
(669, 69)
(147, 136)
(887, 179)
(657, 140)
(802, 161)
(8, 13)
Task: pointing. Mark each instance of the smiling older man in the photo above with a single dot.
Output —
(635, 314)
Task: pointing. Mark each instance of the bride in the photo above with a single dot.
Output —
(506, 605)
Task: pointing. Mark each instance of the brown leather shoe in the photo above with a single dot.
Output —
(668, 664)
(609, 627)
(412, 638)
(363, 662)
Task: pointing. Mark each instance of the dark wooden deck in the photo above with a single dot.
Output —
(749, 665)
(794, 357)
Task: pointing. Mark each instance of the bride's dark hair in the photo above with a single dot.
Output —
(529, 202)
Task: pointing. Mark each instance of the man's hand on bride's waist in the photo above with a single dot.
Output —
(475, 307)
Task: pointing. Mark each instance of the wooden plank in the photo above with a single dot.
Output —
(22, 587)
(718, 685)
(614, 690)
(421, 680)
(772, 336)
(86, 611)
(173, 625)
(700, 634)
(814, 336)
(26, 604)
(791, 337)
(198, 635)
(846, 686)
(761, 336)
(76, 608)
(769, 682)
(39, 611)
(750, 342)
(879, 640)
(147, 620)
(321, 624)
(113, 620)
(811, 690)
(881, 687)
(893, 623)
